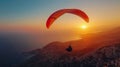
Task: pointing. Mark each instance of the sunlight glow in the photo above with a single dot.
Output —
(83, 27)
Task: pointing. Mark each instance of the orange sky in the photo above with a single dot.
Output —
(103, 15)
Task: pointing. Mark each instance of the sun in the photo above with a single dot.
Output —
(83, 26)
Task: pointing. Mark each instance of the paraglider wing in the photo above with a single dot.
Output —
(58, 13)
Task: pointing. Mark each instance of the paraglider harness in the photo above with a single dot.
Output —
(69, 49)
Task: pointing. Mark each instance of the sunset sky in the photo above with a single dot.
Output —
(30, 16)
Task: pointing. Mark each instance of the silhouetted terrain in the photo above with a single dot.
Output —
(94, 50)
(106, 56)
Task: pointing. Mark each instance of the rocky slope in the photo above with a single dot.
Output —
(94, 50)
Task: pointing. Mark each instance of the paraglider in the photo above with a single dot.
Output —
(59, 13)
(69, 49)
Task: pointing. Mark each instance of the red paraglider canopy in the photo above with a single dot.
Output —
(58, 13)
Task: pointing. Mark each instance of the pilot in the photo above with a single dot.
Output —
(69, 49)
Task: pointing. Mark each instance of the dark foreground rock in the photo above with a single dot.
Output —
(108, 56)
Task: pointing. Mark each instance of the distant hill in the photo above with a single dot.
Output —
(93, 50)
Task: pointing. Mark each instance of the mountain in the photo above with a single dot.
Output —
(93, 50)
(108, 56)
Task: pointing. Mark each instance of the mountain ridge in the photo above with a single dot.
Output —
(83, 50)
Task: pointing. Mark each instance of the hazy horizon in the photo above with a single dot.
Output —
(29, 18)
